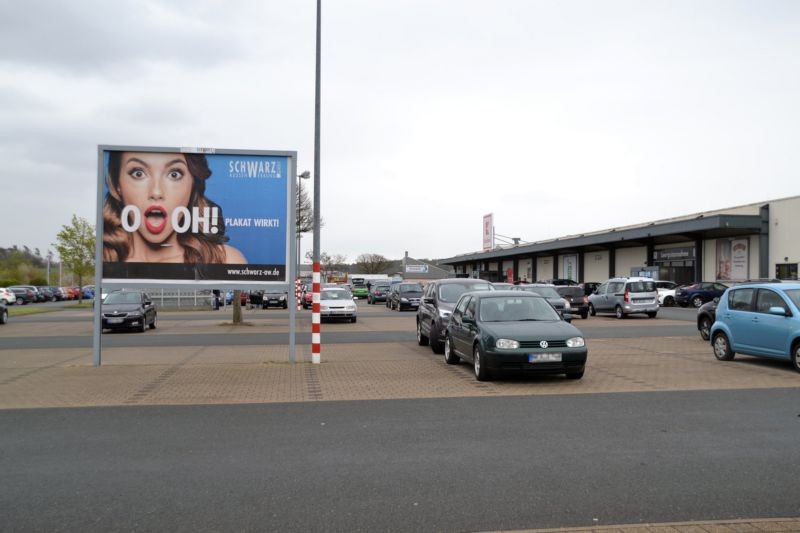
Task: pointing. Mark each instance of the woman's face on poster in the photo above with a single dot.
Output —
(157, 184)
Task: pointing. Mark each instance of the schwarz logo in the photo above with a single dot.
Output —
(543, 344)
(254, 169)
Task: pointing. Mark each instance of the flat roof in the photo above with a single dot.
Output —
(669, 232)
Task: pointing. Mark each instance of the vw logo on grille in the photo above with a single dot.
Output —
(543, 344)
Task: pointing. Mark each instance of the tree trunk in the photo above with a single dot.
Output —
(237, 307)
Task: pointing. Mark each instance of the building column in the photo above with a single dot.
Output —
(698, 259)
(763, 244)
(580, 267)
(612, 261)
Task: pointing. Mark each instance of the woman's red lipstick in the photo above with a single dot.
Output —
(155, 219)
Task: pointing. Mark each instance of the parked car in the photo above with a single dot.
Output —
(3, 313)
(88, 291)
(378, 292)
(274, 299)
(37, 296)
(307, 299)
(436, 305)
(359, 288)
(706, 315)
(405, 296)
(697, 294)
(128, 309)
(625, 296)
(503, 286)
(666, 292)
(47, 294)
(502, 331)
(7, 296)
(549, 291)
(760, 319)
(589, 287)
(24, 295)
(578, 302)
(337, 302)
(558, 281)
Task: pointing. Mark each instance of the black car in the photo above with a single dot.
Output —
(437, 304)
(578, 302)
(24, 295)
(3, 313)
(47, 294)
(378, 292)
(404, 296)
(274, 299)
(513, 331)
(589, 287)
(128, 309)
(706, 315)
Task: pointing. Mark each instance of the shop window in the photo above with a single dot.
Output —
(786, 271)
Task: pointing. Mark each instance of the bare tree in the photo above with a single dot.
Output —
(372, 263)
(329, 263)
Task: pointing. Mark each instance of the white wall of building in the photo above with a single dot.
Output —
(544, 268)
(595, 266)
(784, 244)
(628, 258)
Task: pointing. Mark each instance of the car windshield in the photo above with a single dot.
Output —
(123, 298)
(451, 292)
(410, 287)
(547, 292)
(337, 294)
(515, 309)
(794, 296)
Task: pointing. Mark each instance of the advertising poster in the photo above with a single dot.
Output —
(183, 216)
(488, 231)
(723, 260)
(571, 267)
(740, 254)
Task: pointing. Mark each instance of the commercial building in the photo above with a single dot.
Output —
(758, 240)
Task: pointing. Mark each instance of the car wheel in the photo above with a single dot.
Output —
(450, 356)
(20, 301)
(153, 323)
(143, 327)
(669, 301)
(705, 328)
(584, 314)
(422, 340)
(796, 356)
(591, 310)
(697, 301)
(651, 314)
(4, 317)
(436, 344)
(354, 319)
(481, 372)
(618, 312)
(722, 347)
(575, 375)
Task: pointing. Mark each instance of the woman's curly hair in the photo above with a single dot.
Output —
(197, 248)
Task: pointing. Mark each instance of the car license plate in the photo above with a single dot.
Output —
(544, 358)
(115, 320)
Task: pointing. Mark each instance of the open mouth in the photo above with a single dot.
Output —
(155, 219)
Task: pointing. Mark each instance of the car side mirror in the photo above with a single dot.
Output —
(148, 302)
(567, 317)
(780, 311)
(468, 319)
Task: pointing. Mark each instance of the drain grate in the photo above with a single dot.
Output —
(313, 386)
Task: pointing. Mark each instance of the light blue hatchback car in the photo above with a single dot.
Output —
(761, 319)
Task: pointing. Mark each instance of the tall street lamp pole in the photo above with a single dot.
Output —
(315, 314)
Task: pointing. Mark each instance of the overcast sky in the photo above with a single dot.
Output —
(560, 117)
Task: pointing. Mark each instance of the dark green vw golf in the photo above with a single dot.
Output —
(513, 331)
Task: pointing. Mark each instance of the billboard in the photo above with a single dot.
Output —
(733, 259)
(488, 231)
(189, 216)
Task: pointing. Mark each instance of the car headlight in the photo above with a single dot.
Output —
(350, 307)
(506, 344)
(283, 297)
(444, 314)
(404, 300)
(575, 342)
(323, 307)
(135, 314)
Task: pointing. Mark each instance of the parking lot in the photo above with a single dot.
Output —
(200, 358)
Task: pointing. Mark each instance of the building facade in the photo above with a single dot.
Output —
(746, 242)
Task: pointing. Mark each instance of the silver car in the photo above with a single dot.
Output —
(625, 296)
